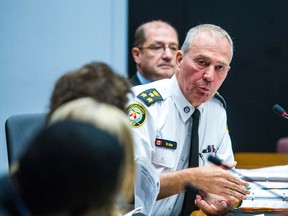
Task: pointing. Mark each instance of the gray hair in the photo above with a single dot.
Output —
(213, 29)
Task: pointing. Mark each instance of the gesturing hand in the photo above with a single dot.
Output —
(216, 180)
(212, 205)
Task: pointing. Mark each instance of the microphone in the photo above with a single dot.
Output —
(217, 161)
(280, 111)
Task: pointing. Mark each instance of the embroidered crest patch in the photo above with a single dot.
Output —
(137, 115)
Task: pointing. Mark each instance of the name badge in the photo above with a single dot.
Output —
(166, 144)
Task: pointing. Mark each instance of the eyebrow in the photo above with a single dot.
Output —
(207, 58)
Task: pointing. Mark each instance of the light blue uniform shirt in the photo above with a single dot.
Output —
(170, 119)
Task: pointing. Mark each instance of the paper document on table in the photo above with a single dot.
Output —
(268, 189)
(147, 185)
(272, 173)
(268, 194)
(263, 206)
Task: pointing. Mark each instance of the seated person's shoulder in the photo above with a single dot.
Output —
(219, 100)
(151, 93)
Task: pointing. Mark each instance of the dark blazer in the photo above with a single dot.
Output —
(134, 81)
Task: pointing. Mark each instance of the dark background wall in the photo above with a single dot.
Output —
(258, 77)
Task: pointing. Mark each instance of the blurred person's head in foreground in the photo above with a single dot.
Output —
(70, 168)
(96, 80)
(114, 121)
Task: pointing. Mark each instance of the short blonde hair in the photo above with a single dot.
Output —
(112, 120)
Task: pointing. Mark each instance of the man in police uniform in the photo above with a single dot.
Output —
(160, 116)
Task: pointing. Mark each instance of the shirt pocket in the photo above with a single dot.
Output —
(163, 157)
(205, 153)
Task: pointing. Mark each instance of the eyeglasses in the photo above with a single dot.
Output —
(157, 49)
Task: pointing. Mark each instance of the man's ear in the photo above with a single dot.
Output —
(179, 57)
(135, 53)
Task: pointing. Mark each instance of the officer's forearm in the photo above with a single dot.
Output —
(174, 182)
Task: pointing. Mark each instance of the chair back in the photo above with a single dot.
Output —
(20, 129)
(282, 145)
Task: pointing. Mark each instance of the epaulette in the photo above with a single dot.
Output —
(219, 97)
(150, 96)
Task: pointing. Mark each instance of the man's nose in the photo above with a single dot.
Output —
(209, 73)
(168, 53)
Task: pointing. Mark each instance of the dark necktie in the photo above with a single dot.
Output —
(188, 204)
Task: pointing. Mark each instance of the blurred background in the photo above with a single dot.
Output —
(41, 40)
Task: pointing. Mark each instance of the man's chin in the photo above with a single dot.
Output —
(205, 97)
(166, 74)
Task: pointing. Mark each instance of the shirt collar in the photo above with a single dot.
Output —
(142, 79)
(184, 107)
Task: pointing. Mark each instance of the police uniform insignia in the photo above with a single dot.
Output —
(209, 149)
(219, 97)
(137, 115)
(166, 144)
(186, 109)
(150, 96)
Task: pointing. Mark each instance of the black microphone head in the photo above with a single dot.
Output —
(215, 160)
(278, 109)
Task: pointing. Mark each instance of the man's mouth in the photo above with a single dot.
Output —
(165, 66)
(204, 89)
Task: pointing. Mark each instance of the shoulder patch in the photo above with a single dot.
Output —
(150, 96)
(137, 114)
(219, 97)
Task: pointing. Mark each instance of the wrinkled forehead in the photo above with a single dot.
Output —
(213, 40)
(207, 44)
(207, 35)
